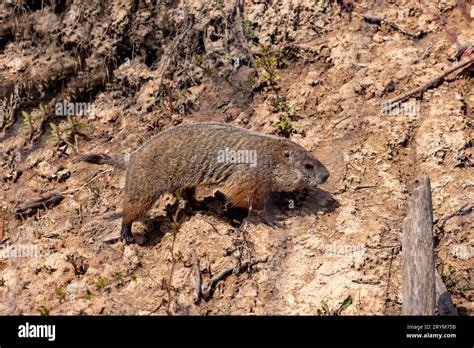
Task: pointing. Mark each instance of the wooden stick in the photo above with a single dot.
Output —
(227, 272)
(3, 226)
(94, 176)
(197, 277)
(46, 201)
(465, 209)
(379, 21)
(429, 84)
(418, 262)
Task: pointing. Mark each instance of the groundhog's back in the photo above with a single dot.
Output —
(187, 155)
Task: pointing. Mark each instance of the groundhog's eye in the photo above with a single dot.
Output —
(308, 166)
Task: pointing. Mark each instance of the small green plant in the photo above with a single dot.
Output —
(88, 294)
(44, 311)
(73, 127)
(346, 303)
(67, 134)
(29, 122)
(61, 294)
(34, 124)
(52, 81)
(248, 27)
(102, 283)
(284, 126)
(182, 202)
(269, 61)
(209, 72)
(174, 226)
(286, 115)
(283, 105)
(179, 256)
(225, 73)
(95, 191)
(198, 59)
(56, 133)
(326, 311)
(118, 276)
(82, 92)
(449, 277)
(42, 108)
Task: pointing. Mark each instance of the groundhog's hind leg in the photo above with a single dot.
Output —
(132, 211)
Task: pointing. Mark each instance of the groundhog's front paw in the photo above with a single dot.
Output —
(274, 221)
(126, 234)
(268, 218)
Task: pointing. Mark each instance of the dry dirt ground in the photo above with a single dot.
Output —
(143, 66)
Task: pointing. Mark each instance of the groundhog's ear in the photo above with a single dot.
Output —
(286, 155)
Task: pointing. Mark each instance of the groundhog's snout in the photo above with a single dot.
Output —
(324, 177)
(323, 174)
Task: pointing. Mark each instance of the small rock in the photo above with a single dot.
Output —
(45, 170)
(129, 252)
(62, 175)
(358, 88)
(463, 252)
(36, 157)
(76, 287)
(13, 176)
(378, 38)
(111, 238)
(54, 261)
(313, 78)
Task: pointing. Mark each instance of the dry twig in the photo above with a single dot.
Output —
(46, 201)
(206, 295)
(392, 103)
(198, 277)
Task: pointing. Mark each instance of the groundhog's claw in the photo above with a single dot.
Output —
(273, 221)
(127, 239)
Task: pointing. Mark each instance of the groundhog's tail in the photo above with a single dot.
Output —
(119, 162)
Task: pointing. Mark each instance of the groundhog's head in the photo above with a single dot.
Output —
(295, 168)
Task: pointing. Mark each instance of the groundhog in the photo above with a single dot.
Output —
(243, 165)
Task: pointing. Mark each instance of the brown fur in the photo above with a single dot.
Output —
(187, 156)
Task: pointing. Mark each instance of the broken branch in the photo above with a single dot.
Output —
(380, 21)
(392, 103)
(46, 201)
(198, 277)
(227, 272)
